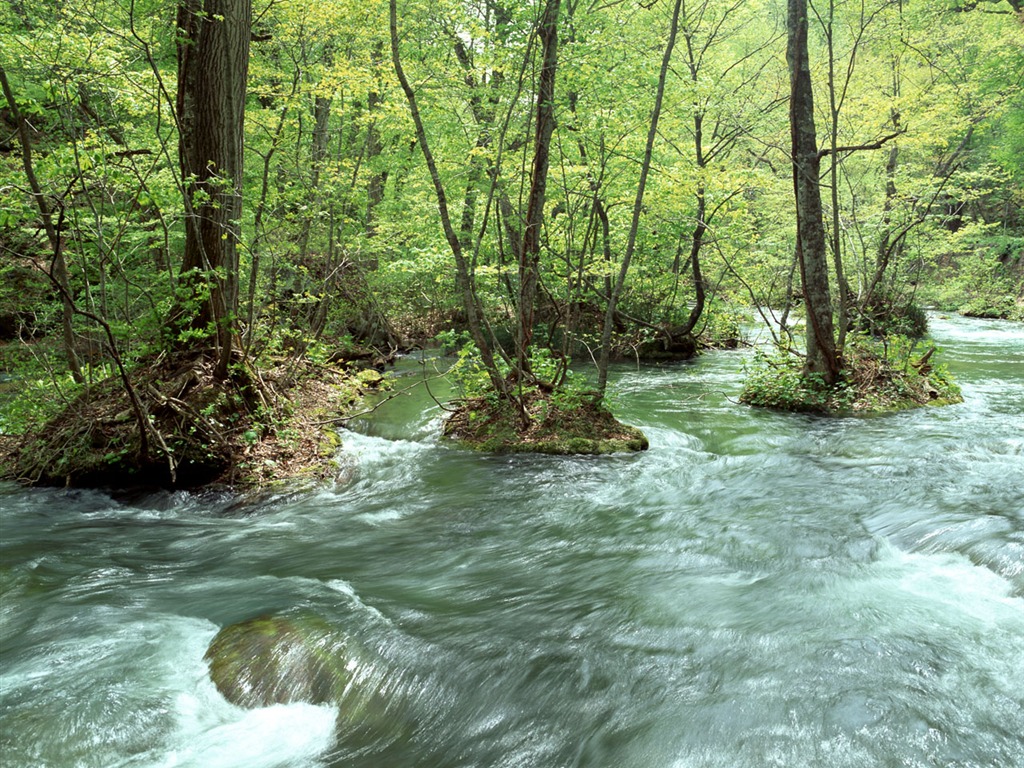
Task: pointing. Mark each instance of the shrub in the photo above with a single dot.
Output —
(890, 373)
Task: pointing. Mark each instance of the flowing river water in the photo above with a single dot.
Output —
(758, 589)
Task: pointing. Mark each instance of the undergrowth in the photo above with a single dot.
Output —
(554, 413)
(252, 428)
(879, 375)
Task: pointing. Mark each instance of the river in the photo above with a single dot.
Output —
(757, 590)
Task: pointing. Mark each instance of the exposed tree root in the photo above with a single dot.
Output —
(248, 429)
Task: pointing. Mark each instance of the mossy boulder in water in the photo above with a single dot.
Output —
(278, 660)
(301, 658)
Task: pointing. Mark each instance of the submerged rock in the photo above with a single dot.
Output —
(278, 660)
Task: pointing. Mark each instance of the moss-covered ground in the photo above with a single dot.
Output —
(254, 428)
(876, 378)
(541, 423)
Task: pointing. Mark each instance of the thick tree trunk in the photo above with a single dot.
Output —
(213, 64)
(822, 358)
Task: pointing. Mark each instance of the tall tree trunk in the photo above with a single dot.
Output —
(891, 243)
(374, 147)
(696, 243)
(213, 64)
(638, 203)
(811, 250)
(836, 240)
(319, 147)
(463, 273)
(259, 212)
(529, 257)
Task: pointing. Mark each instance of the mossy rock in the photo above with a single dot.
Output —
(278, 660)
(628, 440)
(370, 378)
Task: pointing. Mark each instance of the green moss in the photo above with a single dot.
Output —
(300, 657)
(370, 378)
(277, 660)
(579, 427)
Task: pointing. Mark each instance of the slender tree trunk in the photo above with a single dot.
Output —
(693, 62)
(836, 240)
(889, 246)
(59, 268)
(378, 177)
(812, 256)
(645, 167)
(529, 257)
(463, 275)
(256, 242)
(213, 64)
(696, 243)
(318, 157)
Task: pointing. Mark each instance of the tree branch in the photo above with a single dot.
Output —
(826, 151)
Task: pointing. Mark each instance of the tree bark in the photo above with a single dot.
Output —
(213, 64)
(822, 358)
(529, 256)
(836, 243)
(463, 274)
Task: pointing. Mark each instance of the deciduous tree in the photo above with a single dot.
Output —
(822, 356)
(213, 65)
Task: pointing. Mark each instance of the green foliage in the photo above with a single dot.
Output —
(722, 324)
(884, 374)
(985, 281)
(472, 381)
(467, 373)
(30, 397)
(776, 380)
(343, 250)
(888, 313)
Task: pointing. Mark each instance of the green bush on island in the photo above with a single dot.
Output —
(564, 418)
(879, 375)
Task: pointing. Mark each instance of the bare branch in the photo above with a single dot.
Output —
(826, 151)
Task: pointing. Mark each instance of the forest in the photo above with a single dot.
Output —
(222, 219)
(552, 384)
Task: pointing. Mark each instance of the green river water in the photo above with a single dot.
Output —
(758, 589)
